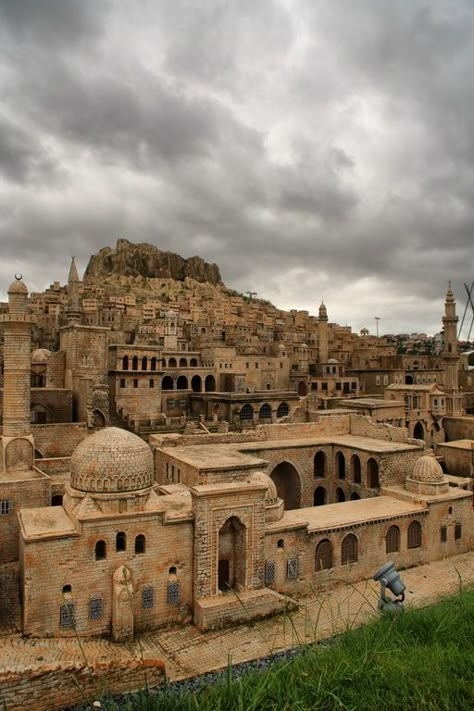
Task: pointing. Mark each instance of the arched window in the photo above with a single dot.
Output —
(340, 496)
(67, 589)
(196, 384)
(121, 541)
(319, 465)
(135, 363)
(193, 363)
(140, 543)
(280, 543)
(100, 550)
(265, 412)
(246, 412)
(153, 363)
(323, 555)
(125, 363)
(319, 497)
(167, 383)
(210, 384)
(172, 363)
(283, 410)
(392, 540)
(340, 466)
(144, 363)
(372, 474)
(182, 383)
(349, 552)
(414, 535)
(355, 469)
(183, 363)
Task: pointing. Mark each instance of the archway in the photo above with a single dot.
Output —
(172, 363)
(99, 418)
(319, 465)
(167, 383)
(182, 383)
(40, 415)
(232, 555)
(288, 485)
(323, 555)
(183, 363)
(196, 384)
(265, 412)
(302, 388)
(319, 496)
(408, 379)
(355, 496)
(340, 466)
(283, 410)
(246, 413)
(419, 431)
(340, 496)
(135, 363)
(355, 469)
(372, 474)
(210, 384)
(193, 363)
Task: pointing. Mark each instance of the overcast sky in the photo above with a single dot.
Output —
(312, 149)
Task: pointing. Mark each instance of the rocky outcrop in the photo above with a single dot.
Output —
(148, 261)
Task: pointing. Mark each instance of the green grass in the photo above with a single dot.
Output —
(422, 660)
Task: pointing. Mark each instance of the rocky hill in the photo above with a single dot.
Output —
(146, 260)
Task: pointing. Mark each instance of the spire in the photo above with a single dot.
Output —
(449, 294)
(73, 275)
(323, 313)
(73, 308)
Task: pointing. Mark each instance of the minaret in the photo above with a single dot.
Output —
(17, 440)
(450, 356)
(73, 308)
(323, 334)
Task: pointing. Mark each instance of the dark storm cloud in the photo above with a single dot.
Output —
(310, 148)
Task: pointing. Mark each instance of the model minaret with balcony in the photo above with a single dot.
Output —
(323, 334)
(450, 356)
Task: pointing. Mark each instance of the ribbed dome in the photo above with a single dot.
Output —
(112, 460)
(18, 287)
(40, 355)
(427, 468)
(261, 478)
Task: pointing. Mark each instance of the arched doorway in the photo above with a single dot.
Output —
(419, 431)
(340, 466)
(319, 496)
(40, 415)
(182, 383)
(372, 474)
(355, 496)
(302, 388)
(283, 410)
(196, 384)
(408, 379)
(288, 485)
(99, 419)
(210, 384)
(355, 469)
(232, 555)
(319, 465)
(340, 496)
(183, 363)
(167, 383)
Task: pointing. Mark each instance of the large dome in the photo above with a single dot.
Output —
(112, 460)
(427, 468)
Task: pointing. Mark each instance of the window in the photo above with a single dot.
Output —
(6, 507)
(96, 607)
(125, 363)
(135, 382)
(323, 555)
(122, 382)
(392, 540)
(256, 365)
(457, 532)
(246, 412)
(377, 379)
(283, 410)
(66, 615)
(292, 568)
(349, 552)
(151, 383)
(140, 543)
(135, 363)
(121, 541)
(319, 468)
(269, 572)
(443, 534)
(100, 550)
(265, 412)
(148, 597)
(172, 593)
(414, 535)
(281, 543)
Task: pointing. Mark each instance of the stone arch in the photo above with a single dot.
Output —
(320, 465)
(372, 474)
(414, 535)
(392, 540)
(340, 495)
(193, 363)
(356, 475)
(135, 362)
(408, 379)
(246, 413)
(19, 455)
(210, 384)
(302, 388)
(232, 565)
(40, 414)
(125, 362)
(320, 496)
(355, 496)
(182, 383)
(144, 363)
(99, 418)
(265, 412)
(196, 384)
(340, 465)
(419, 431)
(323, 555)
(288, 484)
(283, 410)
(167, 383)
(349, 549)
(172, 363)
(183, 363)
(228, 384)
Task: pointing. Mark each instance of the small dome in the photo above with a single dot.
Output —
(333, 360)
(323, 312)
(304, 345)
(427, 468)
(40, 355)
(18, 287)
(112, 460)
(281, 347)
(271, 494)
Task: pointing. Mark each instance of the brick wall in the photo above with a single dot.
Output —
(30, 491)
(55, 370)
(60, 439)
(57, 401)
(458, 427)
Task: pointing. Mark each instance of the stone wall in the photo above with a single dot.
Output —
(458, 427)
(10, 602)
(52, 688)
(60, 439)
(365, 426)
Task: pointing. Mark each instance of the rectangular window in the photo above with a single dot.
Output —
(6, 507)
(338, 386)
(443, 534)
(152, 383)
(122, 382)
(172, 593)
(269, 572)
(256, 365)
(66, 615)
(148, 597)
(135, 383)
(457, 532)
(292, 568)
(96, 607)
(325, 386)
(247, 365)
(281, 365)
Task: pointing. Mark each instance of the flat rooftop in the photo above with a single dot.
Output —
(458, 444)
(46, 522)
(349, 513)
(21, 475)
(214, 456)
(367, 444)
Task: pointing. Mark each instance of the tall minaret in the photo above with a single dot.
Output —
(17, 441)
(73, 308)
(323, 334)
(450, 356)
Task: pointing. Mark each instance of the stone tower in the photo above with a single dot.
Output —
(73, 308)
(323, 334)
(17, 441)
(450, 356)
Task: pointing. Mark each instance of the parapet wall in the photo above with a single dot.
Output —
(52, 688)
(365, 426)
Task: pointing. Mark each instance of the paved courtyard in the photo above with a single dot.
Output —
(188, 652)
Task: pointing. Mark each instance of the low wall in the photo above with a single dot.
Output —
(52, 688)
(459, 427)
